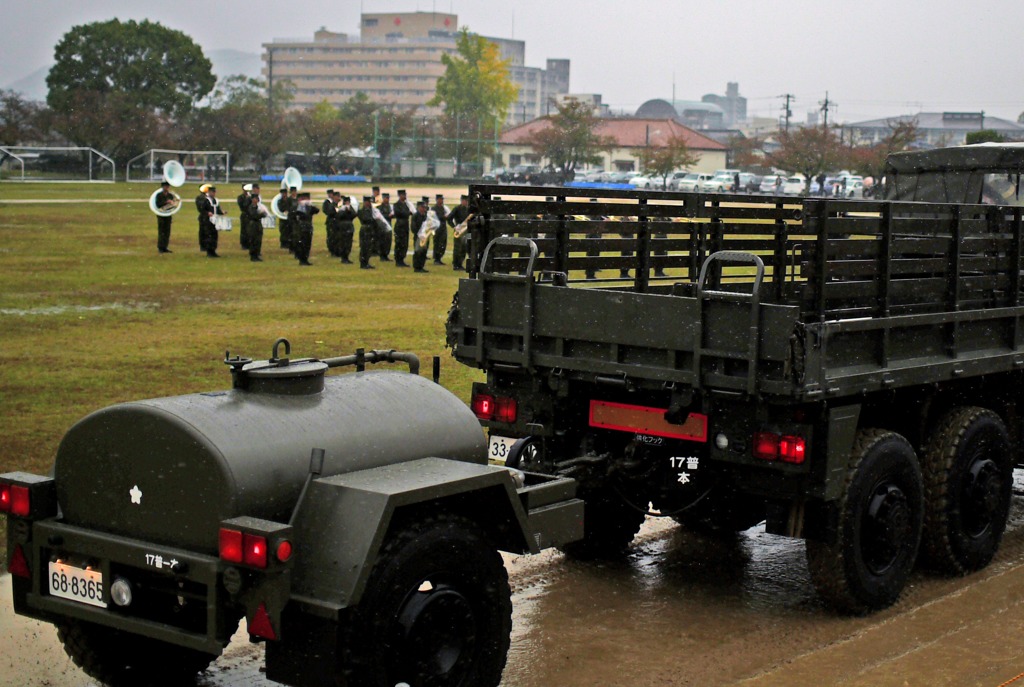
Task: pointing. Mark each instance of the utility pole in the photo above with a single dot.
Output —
(825, 105)
(789, 113)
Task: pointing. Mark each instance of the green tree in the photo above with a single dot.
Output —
(808, 150)
(150, 66)
(570, 137)
(324, 135)
(662, 161)
(476, 82)
(984, 136)
(113, 124)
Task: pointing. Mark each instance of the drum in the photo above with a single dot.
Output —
(268, 222)
(222, 223)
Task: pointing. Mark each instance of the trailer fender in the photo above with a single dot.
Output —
(842, 430)
(343, 520)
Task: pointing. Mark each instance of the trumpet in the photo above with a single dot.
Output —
(462, 227)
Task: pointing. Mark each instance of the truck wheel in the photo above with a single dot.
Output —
(968, 467)
(436, 612)
(609, 525)
(119, 658)
(879, 530)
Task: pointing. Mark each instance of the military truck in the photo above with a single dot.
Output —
(850, 372)
(360, 555)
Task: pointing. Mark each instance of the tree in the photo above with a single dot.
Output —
(747, 153)
(676, 154)
(22, 121)
(570, 138)
(323, 134)
(808, 150)
(476, 82)
(984, 136)
(147, 65)
(113, 124)
(870, 161)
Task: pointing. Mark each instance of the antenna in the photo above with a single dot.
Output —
(513, 23)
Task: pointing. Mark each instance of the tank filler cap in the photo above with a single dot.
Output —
(278, 375)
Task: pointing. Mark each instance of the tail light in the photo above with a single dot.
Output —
(254, 543)
(254, 550)
(786, 448)
(5, 498)
(497, 408)
(27, 496)
(230, 545)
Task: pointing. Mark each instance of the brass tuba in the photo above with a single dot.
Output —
(174, 174)
(292, 177)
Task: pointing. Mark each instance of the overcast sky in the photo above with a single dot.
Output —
(874, 57)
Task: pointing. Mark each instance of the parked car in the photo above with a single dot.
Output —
(654, 182)
(621, 177)
(693, 182)
(768, 184)
(749, 183)
(720, 183)
(795, 185)
(672, 183)
(594, 175)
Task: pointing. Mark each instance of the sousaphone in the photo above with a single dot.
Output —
(292, 177)
(174, 174)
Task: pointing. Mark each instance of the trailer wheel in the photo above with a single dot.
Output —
(119, 658)
(880, 516)
(968, 468)
(609, 525)
(436, 612)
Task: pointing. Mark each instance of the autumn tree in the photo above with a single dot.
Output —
(870, 160)
(23, 121)
(664, 160)
(746, 153)
(808, 150)
(570, 139)
(149, 65)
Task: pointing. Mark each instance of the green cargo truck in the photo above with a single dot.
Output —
(849, 372)
(359, 552)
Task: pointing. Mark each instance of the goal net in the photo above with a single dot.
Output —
(213, 166)
(55, 164)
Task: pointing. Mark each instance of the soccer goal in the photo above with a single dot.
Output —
(55, 164)
(212, 166)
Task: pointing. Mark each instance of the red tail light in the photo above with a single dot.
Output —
(230, 545)
(20, 505)
(284, 550)
(5, 498)
(788, 448)
(254, 550)
(483, 406)
(505, 410)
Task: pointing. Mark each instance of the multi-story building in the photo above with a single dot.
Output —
(936, 128)
(396, 58)
(733, 105)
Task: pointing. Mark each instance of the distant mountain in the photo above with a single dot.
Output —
(225, 63)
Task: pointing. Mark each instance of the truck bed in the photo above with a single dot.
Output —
(803, 299)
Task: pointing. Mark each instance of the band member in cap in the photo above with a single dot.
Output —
(288, 226)
(455, 218)
(441, 235)
(367, 230)
(375, 195)
(419, 252)
(403, 211)
(255, 213)
(200, 200)
(244, 200)
(346, 227)
(208, 209)
(384, 235)
(282, 206)
(330, 210)
(303, 235)
(164, 200)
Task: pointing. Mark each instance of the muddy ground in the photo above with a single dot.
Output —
(685, 610)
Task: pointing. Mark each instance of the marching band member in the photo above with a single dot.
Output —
(346, 228)
(367, 230)
(165, 200)
(403, 212)
(282, 205)
(330, 210)
(244, 200)
(208, 209)
(200, 199)
(254, 213)
(288, 227)
(420, 230)
(384, 235)
(441, 235)
(303, 228)
(459, 215)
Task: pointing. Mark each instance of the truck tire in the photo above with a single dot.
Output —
(436, 612)
(867, 565)
(609, 525)
(968, 469)
(123, 659)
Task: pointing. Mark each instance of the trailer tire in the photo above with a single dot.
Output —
(437, 610)
(609, 525)
(968, 468)
(867, 564)
(123, 659)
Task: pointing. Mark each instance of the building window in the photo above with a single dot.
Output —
(369, 22)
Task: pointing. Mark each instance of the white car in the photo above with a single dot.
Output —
(693, 182)
(720, 183)
(674, 179)
(769, 186)
(794, 185)
(644, 181)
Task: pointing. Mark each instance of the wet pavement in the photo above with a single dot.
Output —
(686, 610)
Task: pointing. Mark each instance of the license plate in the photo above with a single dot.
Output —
(69, 582)
(498, 449)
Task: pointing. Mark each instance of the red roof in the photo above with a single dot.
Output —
(626, 132)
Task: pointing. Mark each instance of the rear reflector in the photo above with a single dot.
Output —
(644, 420)
(230, 545)
(5, 498)
(284, 551)
(255, 550)
(20, 501)
(766, 446)
(19, 564)
(260, 624)
(505, 409)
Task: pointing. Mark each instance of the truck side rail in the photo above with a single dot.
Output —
(834, 258)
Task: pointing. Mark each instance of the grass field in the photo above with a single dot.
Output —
(91, 314)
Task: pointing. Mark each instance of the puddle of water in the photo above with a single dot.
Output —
(64, 309)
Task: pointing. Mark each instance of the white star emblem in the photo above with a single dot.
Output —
(136, 494)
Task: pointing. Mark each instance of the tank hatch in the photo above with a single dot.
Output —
(279, 374)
